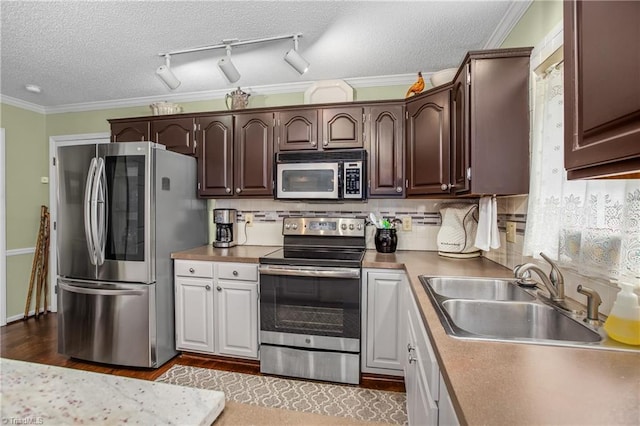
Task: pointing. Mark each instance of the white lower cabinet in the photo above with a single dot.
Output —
(194, 314)
(382, 321)
(237, 318)
(428, 401)
(447, 414)
(217, 308)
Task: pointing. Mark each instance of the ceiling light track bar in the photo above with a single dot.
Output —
(232, 43)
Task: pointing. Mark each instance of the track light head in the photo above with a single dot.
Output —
(228, 69)
(294, 59)
(167, 76)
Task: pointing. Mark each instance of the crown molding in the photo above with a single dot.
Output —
(23, 104)
(513, 15)
(272, 89)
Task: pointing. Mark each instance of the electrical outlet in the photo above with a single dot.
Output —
(406, 223)
(511, 232)
(248, 218)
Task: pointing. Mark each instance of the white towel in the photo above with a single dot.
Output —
(487, 235)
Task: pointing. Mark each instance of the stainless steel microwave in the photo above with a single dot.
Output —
(325, 175)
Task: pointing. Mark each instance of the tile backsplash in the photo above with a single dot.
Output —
(268, 215)
(425, 218)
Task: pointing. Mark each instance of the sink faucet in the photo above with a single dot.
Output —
(554, 282)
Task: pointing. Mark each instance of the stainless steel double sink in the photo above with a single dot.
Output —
(497, 309)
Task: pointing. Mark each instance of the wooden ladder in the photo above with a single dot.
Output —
(40, 267)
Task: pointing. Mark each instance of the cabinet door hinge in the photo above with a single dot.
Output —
(195, 144)
(195, 126)
(468, 74)
(406, 115)
(198, 186)
(406, 183)
(55, 225)
(468, 173)
(54, 161)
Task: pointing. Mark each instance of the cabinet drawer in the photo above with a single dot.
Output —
(238, 271)
(193, 268)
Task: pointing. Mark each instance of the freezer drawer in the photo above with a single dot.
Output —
(107, 322)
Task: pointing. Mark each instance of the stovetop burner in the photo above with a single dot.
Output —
(314, 256)
(320, 241)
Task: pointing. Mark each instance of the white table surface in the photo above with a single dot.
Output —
(42, 394)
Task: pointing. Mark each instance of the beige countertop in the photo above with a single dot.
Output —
(241, 254)
(495, 382)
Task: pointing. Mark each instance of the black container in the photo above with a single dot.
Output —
(386, 240)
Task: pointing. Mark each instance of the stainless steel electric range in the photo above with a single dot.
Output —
(310, 300)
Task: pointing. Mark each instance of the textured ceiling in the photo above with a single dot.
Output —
(83, 51)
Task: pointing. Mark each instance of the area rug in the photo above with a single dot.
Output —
(305, 396)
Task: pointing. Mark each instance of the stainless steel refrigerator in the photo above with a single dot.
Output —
(122, 209)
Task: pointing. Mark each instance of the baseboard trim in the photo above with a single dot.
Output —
(20, 317)
(382, 382)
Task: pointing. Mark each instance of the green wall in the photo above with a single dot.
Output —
(535, 24)
(26, 160)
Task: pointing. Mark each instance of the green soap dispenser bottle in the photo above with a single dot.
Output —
(623, 322)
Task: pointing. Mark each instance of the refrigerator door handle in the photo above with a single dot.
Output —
(98, 292)
(88, 234)
(100, 225)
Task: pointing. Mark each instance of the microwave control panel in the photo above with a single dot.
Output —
(353, 180)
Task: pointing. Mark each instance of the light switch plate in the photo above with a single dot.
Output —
(44, 179)
(406, 223)
(511, 232)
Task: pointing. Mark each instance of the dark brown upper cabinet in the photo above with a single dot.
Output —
(490, 124)
(130, 130)
(342, 127)
(177, 134)
(386, 150)
(428, 143)
(253, 154)
(297, 129)
(215, 155)
(320, 129)
(602, 89)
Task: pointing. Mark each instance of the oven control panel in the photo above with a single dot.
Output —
(329, 226)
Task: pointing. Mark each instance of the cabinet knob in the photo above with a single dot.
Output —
(192, 270)
(446, 187)
(314, 143)
(235, 273)
(208, 287)
(325, 143)
(238, 190)
(219, 288)
(399, 189)
(227, 190)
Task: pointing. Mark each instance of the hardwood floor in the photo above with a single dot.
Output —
(36, 340)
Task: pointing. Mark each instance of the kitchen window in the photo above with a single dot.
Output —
(592, 226)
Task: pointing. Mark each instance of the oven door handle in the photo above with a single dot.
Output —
(309, 271)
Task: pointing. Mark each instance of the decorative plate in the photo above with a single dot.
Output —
(327, 91)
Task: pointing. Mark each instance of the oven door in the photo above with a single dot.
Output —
(307, 180)
(310, 307)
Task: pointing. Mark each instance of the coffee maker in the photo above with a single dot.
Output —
(226, 227)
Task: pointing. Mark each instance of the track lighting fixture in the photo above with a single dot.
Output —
(228, 69)
(166, 75)
(294, 59)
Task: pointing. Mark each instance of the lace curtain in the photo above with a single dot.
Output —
(592, 226)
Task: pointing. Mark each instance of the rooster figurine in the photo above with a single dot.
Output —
(417, 87)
